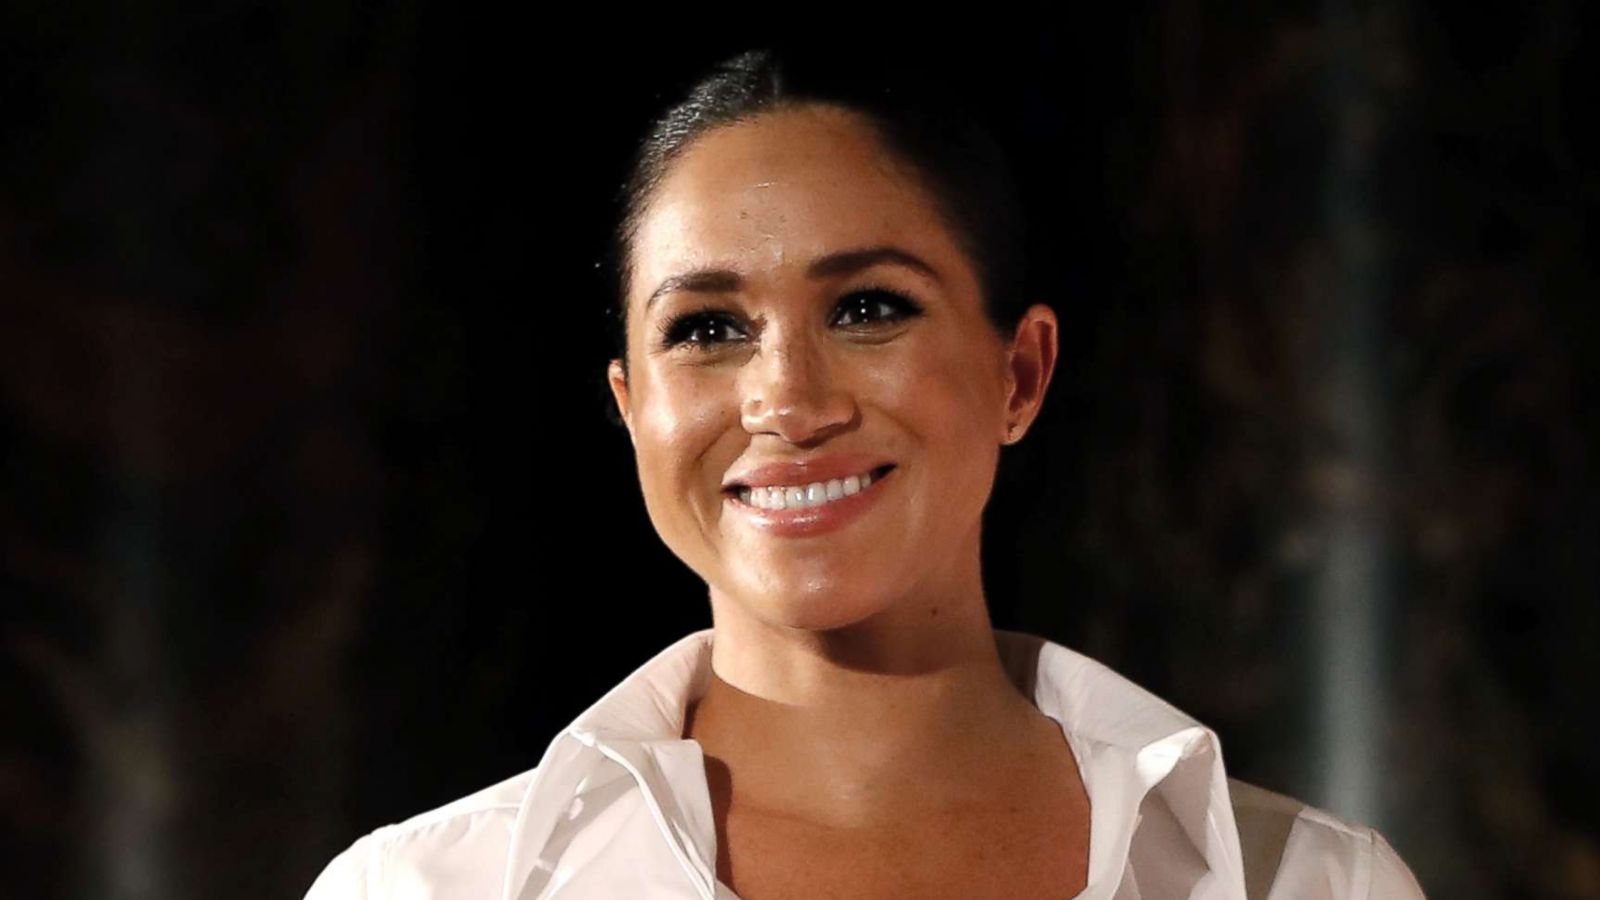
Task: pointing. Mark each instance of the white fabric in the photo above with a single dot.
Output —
(618, 807)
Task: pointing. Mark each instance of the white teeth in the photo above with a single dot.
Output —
(799, 496)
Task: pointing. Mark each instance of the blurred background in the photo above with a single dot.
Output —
(311, 517)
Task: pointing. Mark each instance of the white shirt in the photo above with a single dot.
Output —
(618, 806)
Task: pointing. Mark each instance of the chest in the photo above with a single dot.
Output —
(998, 853)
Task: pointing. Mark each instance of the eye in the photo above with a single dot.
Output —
(871, 305)
(700, 330)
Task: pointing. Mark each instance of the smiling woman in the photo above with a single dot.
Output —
(801, 313)
(822, 350)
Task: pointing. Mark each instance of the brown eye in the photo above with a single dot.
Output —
(700, 330)
(866, 307)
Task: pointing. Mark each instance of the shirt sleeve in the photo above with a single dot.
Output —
(346, 877)
(1391, 877)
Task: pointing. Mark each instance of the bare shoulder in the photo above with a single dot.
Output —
(1294, 849)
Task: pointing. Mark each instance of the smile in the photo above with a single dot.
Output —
(802, 510)
(801, 496)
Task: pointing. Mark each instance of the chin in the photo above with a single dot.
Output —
(816, 607)
(813, 604)
(829, 619)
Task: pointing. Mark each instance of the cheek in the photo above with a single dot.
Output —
(680, 418)
(952, 401)
(950, 391)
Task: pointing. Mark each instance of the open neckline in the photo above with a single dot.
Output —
(1079, 748)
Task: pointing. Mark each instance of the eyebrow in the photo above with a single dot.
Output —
(844, 262)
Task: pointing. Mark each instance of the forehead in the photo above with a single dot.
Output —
(770, 194)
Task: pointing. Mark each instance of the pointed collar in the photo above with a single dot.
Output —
(1137, 755)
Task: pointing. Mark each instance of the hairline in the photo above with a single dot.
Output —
(906, 163)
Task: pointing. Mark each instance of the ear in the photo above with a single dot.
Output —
(618, 380)
(1030, 363)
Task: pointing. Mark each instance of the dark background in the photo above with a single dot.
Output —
(311, 517)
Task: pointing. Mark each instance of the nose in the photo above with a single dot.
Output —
(792, 389)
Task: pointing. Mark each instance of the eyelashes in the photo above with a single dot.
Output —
(695, 328)
(708, 328)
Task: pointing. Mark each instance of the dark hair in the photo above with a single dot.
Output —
(918, 115)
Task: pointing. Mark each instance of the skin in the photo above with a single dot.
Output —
(857, 704)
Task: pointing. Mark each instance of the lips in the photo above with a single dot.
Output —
(810, 521)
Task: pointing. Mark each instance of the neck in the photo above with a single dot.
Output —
(850, 725)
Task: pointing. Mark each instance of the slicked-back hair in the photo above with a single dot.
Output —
(917, 114)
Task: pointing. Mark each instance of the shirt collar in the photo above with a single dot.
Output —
(1138, 756)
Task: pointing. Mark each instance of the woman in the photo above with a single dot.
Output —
(823, 350)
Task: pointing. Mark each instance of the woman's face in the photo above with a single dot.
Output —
(800, 320)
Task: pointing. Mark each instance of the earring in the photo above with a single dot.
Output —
(1011, 433)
